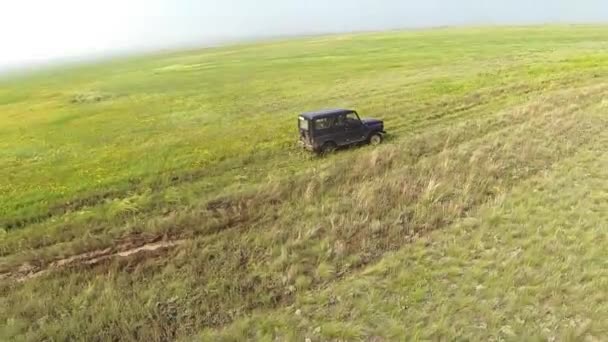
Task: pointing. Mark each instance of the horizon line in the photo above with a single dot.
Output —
(27, 68)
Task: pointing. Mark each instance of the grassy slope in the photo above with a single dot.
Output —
(141, 147)
(530, 265)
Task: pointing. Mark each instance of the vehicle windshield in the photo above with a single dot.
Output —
(304, 124)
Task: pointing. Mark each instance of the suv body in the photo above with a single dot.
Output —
(326, 130)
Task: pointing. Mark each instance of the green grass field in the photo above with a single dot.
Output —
(482, 217)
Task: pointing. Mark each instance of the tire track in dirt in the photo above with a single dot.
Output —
(27, 271)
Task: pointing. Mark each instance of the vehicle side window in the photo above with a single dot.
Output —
(352, 120)
(340, 121)
(323, 123)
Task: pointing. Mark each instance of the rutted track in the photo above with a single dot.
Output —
(27, 271)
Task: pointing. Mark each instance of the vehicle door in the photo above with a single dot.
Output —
(353, 128)
(326, 129)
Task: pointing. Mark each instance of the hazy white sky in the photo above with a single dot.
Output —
(33, 31)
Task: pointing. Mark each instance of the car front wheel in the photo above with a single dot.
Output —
(375, 139)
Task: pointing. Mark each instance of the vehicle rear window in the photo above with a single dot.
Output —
(304, 124)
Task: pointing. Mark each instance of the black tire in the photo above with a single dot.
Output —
(375, 139)
(329, 147)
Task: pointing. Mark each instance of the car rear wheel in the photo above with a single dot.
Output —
(375, 139)
(328, 147)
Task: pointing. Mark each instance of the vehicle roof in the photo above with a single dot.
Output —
(325, 113)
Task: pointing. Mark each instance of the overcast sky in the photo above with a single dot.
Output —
(35, 31)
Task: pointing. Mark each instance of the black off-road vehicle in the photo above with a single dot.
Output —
(325, 130)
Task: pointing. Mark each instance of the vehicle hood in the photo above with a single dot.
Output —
(371, 122)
